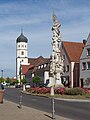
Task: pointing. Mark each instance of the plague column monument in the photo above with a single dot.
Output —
(56, 62)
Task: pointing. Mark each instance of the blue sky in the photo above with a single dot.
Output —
(35, 17)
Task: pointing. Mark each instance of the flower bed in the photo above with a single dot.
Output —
(40, 90)
(62, 91)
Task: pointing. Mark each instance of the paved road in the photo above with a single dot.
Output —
(72, 110)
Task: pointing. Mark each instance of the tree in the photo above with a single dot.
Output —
(24, 80)
(1, 80)
(36, 80)
(8, 80)
(16, 81)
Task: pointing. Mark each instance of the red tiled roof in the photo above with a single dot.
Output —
(25, 68)
(73, 50)
(34, 62)
(38, 61)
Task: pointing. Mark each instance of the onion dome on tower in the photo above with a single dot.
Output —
(22, 38)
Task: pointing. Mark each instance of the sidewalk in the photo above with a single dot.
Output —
(10, 111)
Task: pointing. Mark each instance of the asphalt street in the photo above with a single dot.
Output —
(69, 109)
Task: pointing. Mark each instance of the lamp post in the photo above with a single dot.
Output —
(56, 61)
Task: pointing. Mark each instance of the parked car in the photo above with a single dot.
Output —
(4, 83)
(27, 85)
(18, 86)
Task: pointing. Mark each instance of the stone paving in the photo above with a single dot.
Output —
(11, 111)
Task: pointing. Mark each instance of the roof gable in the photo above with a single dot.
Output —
(73, 50)
(25, 68)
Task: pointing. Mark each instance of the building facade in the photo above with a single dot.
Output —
(71, 52)
(85, 65)
(38, 66)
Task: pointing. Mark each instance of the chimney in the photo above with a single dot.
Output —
(84, 41)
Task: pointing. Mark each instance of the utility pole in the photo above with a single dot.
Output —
(56, 61)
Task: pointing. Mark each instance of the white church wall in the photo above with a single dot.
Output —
(46, 76)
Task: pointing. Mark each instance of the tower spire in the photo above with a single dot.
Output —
(21, 30)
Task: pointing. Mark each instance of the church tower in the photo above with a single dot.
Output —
(21, 54)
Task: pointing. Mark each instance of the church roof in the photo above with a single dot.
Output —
(38, 61)
(22, 38)
(25, 68)
(34, 62)
(73, 50)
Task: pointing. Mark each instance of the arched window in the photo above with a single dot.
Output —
(22, 53)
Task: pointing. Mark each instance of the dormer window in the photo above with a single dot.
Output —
(45, 65)
(88, 51)
(41, 66)
(38, 67)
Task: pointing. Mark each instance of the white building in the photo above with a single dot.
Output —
(85, 65)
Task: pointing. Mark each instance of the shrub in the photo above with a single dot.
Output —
(74, 91)
(59, 90)
(36, 80)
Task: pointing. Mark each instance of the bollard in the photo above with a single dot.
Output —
(20, 100)
(53, 107)
(1, 96)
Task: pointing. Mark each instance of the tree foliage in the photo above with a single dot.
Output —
(16, 81)
(8, 80)
(1, 80)
(24, 80)
(36, 80)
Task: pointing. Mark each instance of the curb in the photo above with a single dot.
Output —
(62, 99)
